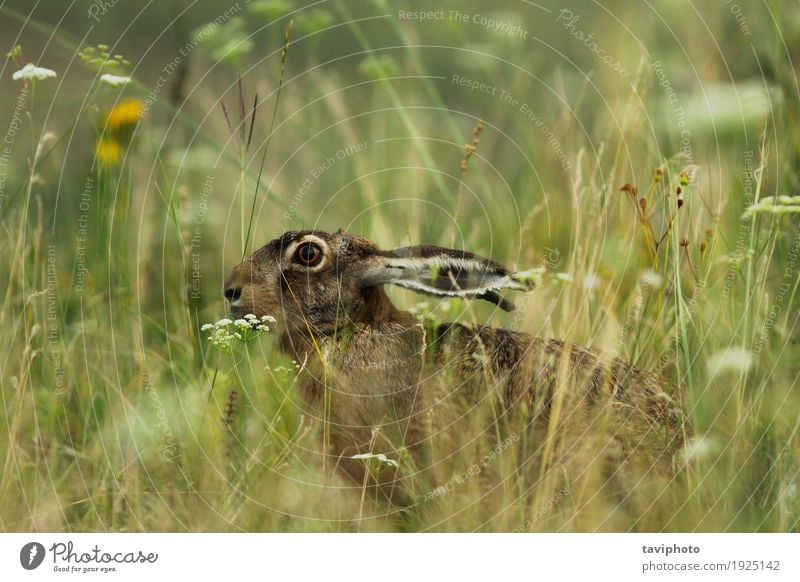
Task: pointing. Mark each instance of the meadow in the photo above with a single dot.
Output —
(640, 158)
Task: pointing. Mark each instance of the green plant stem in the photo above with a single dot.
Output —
(284, 54)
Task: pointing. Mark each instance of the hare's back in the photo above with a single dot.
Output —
(549, 376)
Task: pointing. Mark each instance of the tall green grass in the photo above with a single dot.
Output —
(119, 415)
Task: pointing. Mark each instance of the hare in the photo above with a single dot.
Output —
(371, 365)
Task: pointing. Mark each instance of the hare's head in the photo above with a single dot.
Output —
(317, 282)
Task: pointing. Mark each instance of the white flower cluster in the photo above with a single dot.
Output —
(114, 80)
(250, 321)
(223, 333)
(295, 367)
(31, 72)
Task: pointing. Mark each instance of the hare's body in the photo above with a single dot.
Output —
(385, 383)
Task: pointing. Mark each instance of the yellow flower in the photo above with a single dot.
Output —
(126, 114)
(109, 151)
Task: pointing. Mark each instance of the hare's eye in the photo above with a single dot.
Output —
(308, 254)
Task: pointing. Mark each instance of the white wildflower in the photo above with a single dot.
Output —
(31, 72)
(284, 372)
(220, 337)
(114, 80)
(279, 369)
(698, 448)
(223, 333)
(651, 279)
(735, 359)
(591, 282)
(380, 457)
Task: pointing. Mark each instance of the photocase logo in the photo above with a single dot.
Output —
(31, 555)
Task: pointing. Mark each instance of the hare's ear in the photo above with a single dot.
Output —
(444, 272)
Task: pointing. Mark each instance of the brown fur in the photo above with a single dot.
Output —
(385, 373)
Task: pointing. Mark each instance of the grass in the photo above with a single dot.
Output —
(118, 413)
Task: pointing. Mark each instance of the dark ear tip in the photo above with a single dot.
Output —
(507, 305)
(501, 302)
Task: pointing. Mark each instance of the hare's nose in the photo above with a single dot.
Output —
(232, 293)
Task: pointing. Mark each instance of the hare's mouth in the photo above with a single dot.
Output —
(237, 310)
